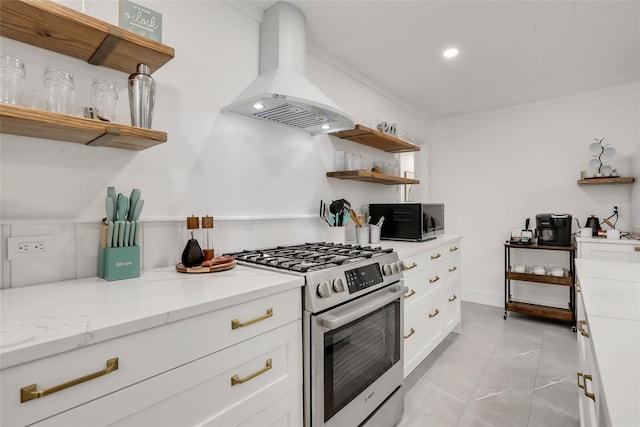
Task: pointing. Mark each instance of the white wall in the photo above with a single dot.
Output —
(493, 170)
(223, 165)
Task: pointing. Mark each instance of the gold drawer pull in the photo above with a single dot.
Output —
(31, 392)
(237, 380)
(578, 288)
(434, 314)
(436, 256)
(410, 294)
(235, 323)
(413, 331)
(413, 265)
(581, 326)
(452, 269)
(434, 280)
(453, 249)
(455, 297)
(580, 385)
(591, 396)
(636, 248)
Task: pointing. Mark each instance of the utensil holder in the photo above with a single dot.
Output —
(362, 235)
(335, 235)
(117, 263)
(374, 233)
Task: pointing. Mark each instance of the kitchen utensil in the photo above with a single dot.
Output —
(121, 229)
(116, 230)
(358, 221)
(142, 96)
(127, 231)
(192, 254)
(110, 208)
(594, 224)
(132, 232)
(380, 221)
(110, 234)
(133, 201)
(137, 210)
(365, 213)
(122, 206)
(136, 236)
(111, 193)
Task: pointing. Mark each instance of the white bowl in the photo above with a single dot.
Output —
(519, 268)
(538, 269)
(557, 271)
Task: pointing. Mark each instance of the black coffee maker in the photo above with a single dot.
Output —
(553, 229)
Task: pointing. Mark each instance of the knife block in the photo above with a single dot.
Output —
(117, 263)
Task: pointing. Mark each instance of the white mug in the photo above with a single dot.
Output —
(613, 234)
(585, 232)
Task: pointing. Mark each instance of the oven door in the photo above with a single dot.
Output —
(356, 357)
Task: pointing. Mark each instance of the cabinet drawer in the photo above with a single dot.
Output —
(422, 330)
(450, 301)
(203, 392)
(416, 264)
(425, 284)
(140, 356)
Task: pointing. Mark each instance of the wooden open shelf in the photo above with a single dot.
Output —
(378, 178)
(540, 278)
(607, 180)
(564, 314)
(51, 26)
(376, 139)
(541, 247)
(25, 121)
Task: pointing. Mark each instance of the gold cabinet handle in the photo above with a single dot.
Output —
(636, 248)
(434, 280)
(434, 314)
(581, 326)
(237, 380)
(578, 288)
(453, 249)
(436, 256)
(580, 385)
(413, 331)
(235, 323)
(410, 294)
(413, 265)
(455, 297)
(452, 269)
(31, 392)
(591, 396)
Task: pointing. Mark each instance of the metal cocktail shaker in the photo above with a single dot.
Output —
(142, 96)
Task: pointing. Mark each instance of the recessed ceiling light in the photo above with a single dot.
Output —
(258, 106)
(450, 53)
(326, 127)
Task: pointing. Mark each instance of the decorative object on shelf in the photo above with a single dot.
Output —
(12, 74)
(142, 97)
(58, 90)
(409, 189)
(192, 255)
(141, 20)
(600, 152)
(104, 100)
(389, 129)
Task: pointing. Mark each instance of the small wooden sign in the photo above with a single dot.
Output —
(141, 20)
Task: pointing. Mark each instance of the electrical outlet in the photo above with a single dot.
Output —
(29, 247)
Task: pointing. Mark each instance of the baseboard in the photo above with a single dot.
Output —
(482, 298)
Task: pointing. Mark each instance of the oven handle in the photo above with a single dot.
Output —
(332, 322)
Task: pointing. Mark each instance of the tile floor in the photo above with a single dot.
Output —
(499, 373)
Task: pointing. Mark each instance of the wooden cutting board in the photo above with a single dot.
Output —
(214, 268)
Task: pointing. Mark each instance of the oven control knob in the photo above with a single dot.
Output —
(338, 285)
(386, 270)
(324, 290)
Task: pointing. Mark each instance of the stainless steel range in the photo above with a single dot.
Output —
(353, 322)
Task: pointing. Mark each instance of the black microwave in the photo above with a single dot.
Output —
(409, 221)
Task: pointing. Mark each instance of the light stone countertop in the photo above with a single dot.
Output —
(42, 320)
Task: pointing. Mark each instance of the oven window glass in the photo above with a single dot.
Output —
(357, 354)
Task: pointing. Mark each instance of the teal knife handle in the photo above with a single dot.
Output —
(110, 208)
(116, 229)
(122, 206)
(120, 233)
(127, 230)
(137, 210)
(133, 201)
(132, 232)
(136, 238)
(110, 234)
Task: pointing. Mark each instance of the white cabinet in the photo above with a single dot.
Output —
(220, 368)
(432, 304)
(608, 314)
(608, 249)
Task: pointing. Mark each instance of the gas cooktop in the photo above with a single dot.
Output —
(309, 257)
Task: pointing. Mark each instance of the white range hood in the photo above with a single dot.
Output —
(281, 93)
